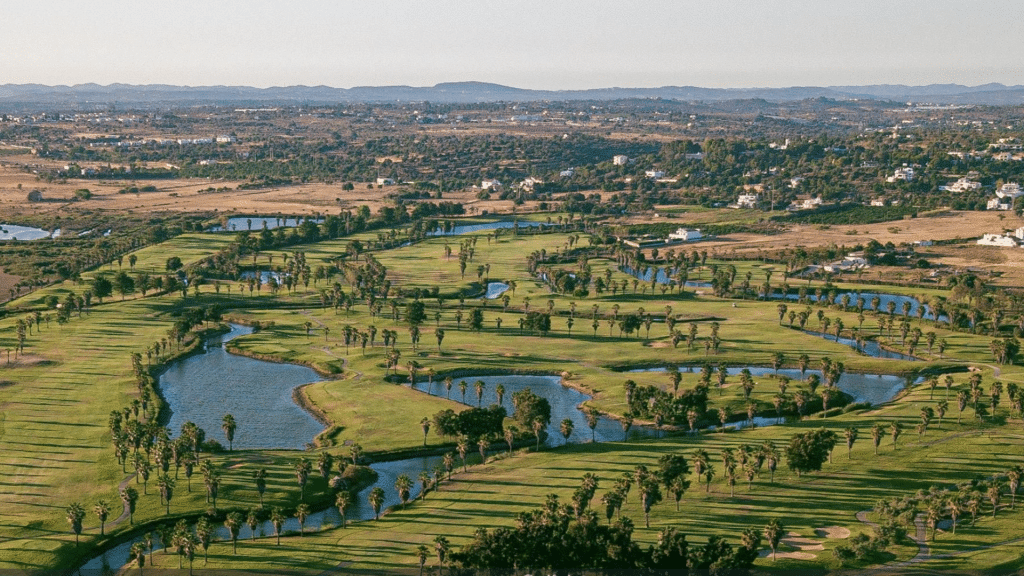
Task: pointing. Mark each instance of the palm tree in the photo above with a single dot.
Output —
(403, 485)
(252, 519)
(650, 494)
(479, 386)
(994, 495)
(233, 523)
(441, 546)
(260, 476)
(462, 388)
(342, 501)
(424, 479)
(301, 513)
(463, 447)
(204, 532)
(773, 534)
(376, 499)
(538, 427)
(876, 436)
(302, 469)
(277, 519)
(228, 425)
(626, 423)
(137, 553)
(593, 417)
(130, 496)
(566, 428)
(449, 463)
(499, 390)
(1013, 479)
(851, 437)
(166, 486)
(448, 386)
(895, 428)
(75, 514)
(422, 554)
(102, 510)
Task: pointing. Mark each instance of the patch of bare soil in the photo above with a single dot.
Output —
(838, 532)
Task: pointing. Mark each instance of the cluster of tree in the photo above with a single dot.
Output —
(473, 423)
(559, 537)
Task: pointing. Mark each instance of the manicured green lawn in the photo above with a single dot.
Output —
(54, 404)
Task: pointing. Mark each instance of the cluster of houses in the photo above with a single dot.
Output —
(1003, 240)
(223, 139)
(1005, 196)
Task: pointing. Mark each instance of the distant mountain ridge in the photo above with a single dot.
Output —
(150, 95)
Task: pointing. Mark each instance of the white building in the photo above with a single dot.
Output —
(808, 204)
(685, 235)
(906, 174)
(490, 184)
(878, 202)
(385, 182)
(848, 263)
(654, 174)
(962, 185)
(999, 204)
(998, 240)
(530, 182)
(620, 160)
(1019, 233)
(567, 173)
(1010, 190)
(226, 139)
(746, 201)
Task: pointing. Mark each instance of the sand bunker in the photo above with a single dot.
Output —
(832, 532)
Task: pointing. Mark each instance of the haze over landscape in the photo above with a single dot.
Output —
(529, 44)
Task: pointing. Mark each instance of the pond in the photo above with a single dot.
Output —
(884, 298)
(873, 388)
(870, 348)
(15, 232)
(662, 275)
(460, 229)
(257, 223)
(204, 387)
(495, 290)
(564, 404)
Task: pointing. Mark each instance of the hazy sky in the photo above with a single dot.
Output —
(548, 44)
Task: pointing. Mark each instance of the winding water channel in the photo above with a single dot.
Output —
(204, 387)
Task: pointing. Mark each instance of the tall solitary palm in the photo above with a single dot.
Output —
(260, 476)
(102, 510)
(233, 523)
(499, 390)
(479, 386)
(130, 497)
(463, 448)
(75, 514)
(277, 519)
(403, 485)
(376, 499)
(773, 534)
(343, 500)
(566, 428)
(302, 469)
(301, 513)
(851, 437)
(252, 518)
(228, 425)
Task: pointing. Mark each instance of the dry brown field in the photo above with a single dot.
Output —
(191, 195)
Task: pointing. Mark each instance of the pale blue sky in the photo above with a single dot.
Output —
(545, 44)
